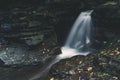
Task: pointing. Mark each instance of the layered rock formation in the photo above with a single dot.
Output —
(30, 31)
(27, 36)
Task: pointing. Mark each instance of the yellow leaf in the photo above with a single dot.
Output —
(52, 78)
(80, 62)
(102, 63)
(89, 69)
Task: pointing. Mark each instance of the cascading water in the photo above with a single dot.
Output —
(77, 43)
(80, 33)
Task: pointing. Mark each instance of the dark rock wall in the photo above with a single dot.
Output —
(106, 21)
(64, 11)
(27, 33)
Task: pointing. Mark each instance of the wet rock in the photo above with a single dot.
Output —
(27, 39)
(106, 21)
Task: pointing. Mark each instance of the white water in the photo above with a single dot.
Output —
(77, 41)
(80, 33)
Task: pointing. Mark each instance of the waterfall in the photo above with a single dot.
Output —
(79, 39)
(79, 36)
(77, 43)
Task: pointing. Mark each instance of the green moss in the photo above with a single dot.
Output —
(118, 57)
(103, 52)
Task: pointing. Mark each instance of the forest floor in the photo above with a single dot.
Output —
(101, 65)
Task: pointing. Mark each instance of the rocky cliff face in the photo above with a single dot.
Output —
(106, 19)
(27, 36)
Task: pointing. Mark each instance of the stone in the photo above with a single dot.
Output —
(1, 63)
(26, 39)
